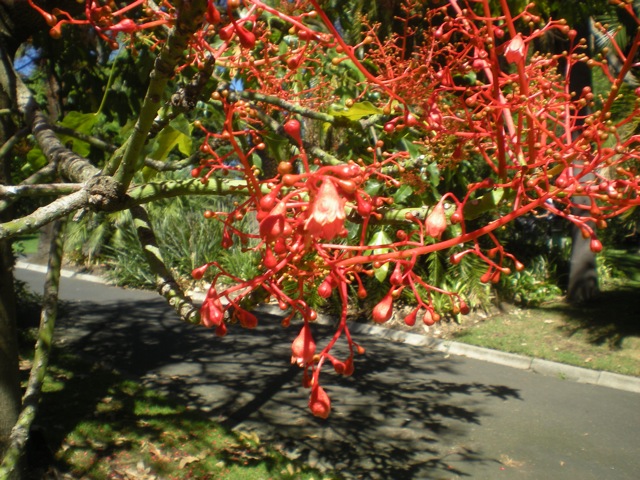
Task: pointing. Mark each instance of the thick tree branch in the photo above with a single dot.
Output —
(71, 166)
(20, 432)
(190, 16)
(42, 216)
(165, 283)
(13, 192)
(173, 188)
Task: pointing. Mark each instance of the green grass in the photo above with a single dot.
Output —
(100, 425)
(602, 335)
(26, 244)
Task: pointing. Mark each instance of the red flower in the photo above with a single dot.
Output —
(515, 51)
(326, 215)
(275, 224)
(436, 222)
(211, 313)
(303, 347)
(319, 402)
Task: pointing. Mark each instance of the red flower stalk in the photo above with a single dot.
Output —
(326, 215)
(436, 222)
(319, 402)
(303, 347)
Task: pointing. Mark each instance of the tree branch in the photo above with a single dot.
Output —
(91, 140)
(165, 283)
(173, 188)
(190, 16)
(57, 209)
(13, 192)
(20, 432)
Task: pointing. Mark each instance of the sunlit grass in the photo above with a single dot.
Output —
(603, 335)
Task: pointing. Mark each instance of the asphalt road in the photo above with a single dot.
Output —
(406, 413)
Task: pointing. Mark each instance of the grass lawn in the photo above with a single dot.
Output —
(99, 425)
(26, 244)
(603, 335)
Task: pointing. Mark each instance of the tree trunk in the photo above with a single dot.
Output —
(9, 379)
(583, 274)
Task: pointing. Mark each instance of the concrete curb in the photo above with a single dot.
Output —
(536, 365)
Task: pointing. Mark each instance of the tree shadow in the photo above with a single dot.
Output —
(405, 413)
(607, 319)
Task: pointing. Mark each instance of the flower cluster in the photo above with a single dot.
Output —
(471, 91)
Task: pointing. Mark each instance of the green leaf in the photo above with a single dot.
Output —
(402, 194)
(182, 125)
(256, 161)
(487, 202)
(35, 161)
(81, 123)
(434, 174)
(373, 187)
(356, 112)
(380, 238)
(166, 140)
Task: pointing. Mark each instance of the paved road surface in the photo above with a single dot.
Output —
(406, 413)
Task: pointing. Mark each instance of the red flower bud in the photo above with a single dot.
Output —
(303, 347)
(410, 320)
(246, 319)
(396, 276)
(292, 128)
(384, 309)
(211, 314)
(275, 224)
(429, 317)
(198, 273)
(348, 367)
(319, 402)
(225, 33)
(269, 260)
(516, 50)
(247, 38)
(221, 330)
(436, 222)
(464, 308)
(325, 289)
(213, 15)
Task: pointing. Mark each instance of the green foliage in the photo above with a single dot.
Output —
(533, 286)
(185, 238)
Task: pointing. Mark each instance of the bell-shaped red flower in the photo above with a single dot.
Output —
(516, 50)
(303, 347)
(326, 214)
(319, 402)
(275, 224)
(211, 313)
(436, 222)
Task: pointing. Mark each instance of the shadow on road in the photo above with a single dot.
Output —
(405, 413)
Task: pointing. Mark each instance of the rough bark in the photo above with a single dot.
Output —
(9, 379)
